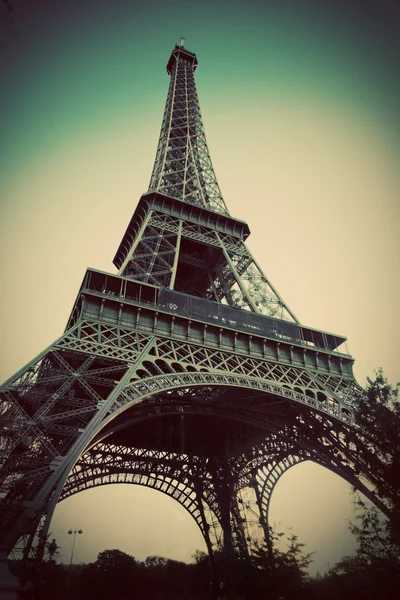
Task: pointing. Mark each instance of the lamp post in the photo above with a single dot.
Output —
(72, 532)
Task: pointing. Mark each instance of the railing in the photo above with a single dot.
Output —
(243, 320)
(208, 311)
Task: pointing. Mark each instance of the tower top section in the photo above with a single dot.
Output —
(183, 168)
(180, 53)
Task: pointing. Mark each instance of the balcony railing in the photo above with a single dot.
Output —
(208, 311)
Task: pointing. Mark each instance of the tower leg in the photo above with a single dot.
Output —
(224, 498)
(9, 584)
(28, 547)
(230, 577)
(263, 520)
(214, 579)
(240, 532)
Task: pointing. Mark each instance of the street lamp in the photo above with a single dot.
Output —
(74, 532)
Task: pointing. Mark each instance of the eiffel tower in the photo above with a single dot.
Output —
(185, 372)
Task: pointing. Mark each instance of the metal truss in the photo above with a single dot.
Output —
(56, 406)
(329, 393)
(179, 476)
(256, 292)
(183, 167)
(153, 259)
(187, 479)
(267, 477)
(247, 480)
(164, 241)
(58, 396)
(231, 273)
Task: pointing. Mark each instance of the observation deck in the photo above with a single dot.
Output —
(191, 213)
(132, 304)
(180, 52)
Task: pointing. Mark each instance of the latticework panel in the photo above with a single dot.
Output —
(267, 477)
(180, 476)
(255, 292)
(183, 170)
(96, 372)
(183, 167)
(153, 258)
(223, 268)
(48, 406)
(330, 393)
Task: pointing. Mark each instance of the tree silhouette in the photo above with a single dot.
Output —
(374, 571)
(280, 573)
(377, 418)
(113, 575)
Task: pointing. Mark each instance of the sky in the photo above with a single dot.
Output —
(300, 104)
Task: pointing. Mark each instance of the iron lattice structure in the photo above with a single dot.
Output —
(185, 372)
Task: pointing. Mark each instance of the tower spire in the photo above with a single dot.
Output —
(183, 167)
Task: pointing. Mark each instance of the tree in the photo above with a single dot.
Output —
(51, 549)
(113, 575)
(154, 562)
(199, 557)
(279, 573)
(377, 416)
(374, 571)
(376, 546)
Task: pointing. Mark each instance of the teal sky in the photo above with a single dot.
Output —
(71, 66)
(300, 103)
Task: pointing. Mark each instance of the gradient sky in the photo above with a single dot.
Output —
(300, 103)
